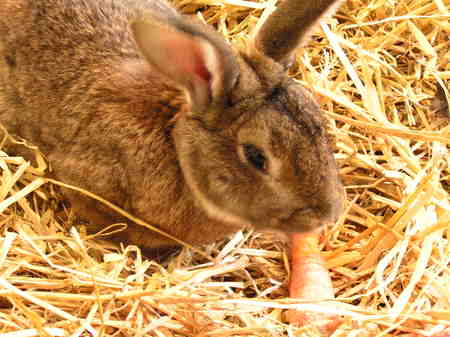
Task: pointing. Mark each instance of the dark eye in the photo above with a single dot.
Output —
(255, 157)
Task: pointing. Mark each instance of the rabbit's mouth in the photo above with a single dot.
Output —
(300, 220)
(305, 211)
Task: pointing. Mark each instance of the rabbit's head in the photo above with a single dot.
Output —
(253, 145)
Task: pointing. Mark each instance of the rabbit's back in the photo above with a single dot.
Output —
(94, 28)
(52, 44)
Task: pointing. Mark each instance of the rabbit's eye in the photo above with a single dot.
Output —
(255, 157)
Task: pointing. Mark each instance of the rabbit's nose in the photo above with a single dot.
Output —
(331, 206)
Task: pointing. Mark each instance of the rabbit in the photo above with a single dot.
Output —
(158, 114)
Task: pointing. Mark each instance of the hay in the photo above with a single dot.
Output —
(381, 71)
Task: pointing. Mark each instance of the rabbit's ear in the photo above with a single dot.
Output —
(289, 26)
(189, 58)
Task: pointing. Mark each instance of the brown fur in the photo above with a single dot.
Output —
(74, 82)
(291, 14)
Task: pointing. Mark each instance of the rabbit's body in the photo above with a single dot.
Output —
(67, 107)
(241, 144)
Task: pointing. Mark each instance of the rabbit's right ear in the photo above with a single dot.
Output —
(190, 57)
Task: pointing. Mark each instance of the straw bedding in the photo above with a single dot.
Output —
(381, 70)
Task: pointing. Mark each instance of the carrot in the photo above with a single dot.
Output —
(310, 281)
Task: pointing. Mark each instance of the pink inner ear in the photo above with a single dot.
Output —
(200, 69)
(189, 57)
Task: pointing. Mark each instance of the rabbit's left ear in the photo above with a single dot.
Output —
(189, 58)
(289, 26)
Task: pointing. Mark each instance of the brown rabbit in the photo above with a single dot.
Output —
(158, 114)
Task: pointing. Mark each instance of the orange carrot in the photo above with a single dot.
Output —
(310, 281)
